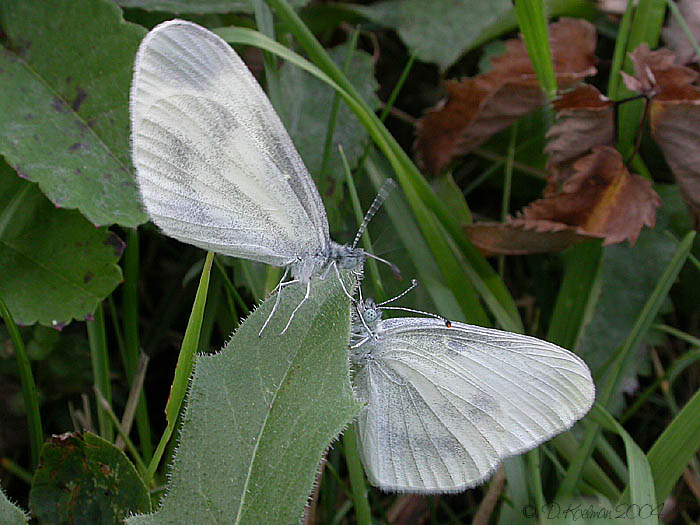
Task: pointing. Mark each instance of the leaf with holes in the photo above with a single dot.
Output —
(54, 265)
(65, 68)
(82, 478)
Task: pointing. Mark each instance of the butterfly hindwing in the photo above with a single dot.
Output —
(446, 405)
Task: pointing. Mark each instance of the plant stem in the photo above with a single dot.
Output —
(31, 401)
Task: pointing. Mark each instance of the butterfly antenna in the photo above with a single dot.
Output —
(394, 269)
(386, 189)
(414, 283)
(445, 320)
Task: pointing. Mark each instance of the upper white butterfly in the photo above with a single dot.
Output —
(214, 164)
(446, 402)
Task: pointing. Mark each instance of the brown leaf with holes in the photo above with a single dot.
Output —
(675, 37)
(480, 106)
(600, 200)
(674, 117)
(585, 119)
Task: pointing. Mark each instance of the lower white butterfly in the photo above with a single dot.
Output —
(214, 164)
(446, 402)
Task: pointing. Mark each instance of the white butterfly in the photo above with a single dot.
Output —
(214, 164)
(446, 402)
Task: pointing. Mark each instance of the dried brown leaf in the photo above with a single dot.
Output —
(674, 36)
(585, 119)
(600, 200)
(656, 74)
(519, 238)
(675, 125)
(674, 119)
(480, 106)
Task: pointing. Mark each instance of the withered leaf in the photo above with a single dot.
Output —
(601, 199)
(656, 74)
(674, 119)
(585, 119)
(675, 37)
(518, 237)
(480, 106)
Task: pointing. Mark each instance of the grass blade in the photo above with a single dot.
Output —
(99, 357)
(183, 369)
(533, 26)
(31, 401)
(646, 317)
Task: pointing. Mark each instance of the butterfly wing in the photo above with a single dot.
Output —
(214, 164)
(446, 405)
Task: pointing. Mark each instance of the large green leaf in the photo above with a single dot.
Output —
(438, 31)
(260, 414)
(10, 514)
(306, 110)
(65, 68)
(198, 6)
(628, 275)
(84, 479)
(54, 265)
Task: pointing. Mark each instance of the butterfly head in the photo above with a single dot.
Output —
(347, 257)
(370, 312)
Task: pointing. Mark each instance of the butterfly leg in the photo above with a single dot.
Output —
(325, 272)
(340, 280)
(356, 345)
(306, 296)
(277, 288)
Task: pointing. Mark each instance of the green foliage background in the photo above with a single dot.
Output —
(260, 413)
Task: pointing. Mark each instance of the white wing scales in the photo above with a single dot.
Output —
(446, 405)
(214, 163)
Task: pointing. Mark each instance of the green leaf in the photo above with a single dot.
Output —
(440, 31)
(65, 68)
(84, 479)
(306, 109)
(627, 277)
(675, 448)
(11, 514)
(578, 291)
(54, 265)
(198, 6)
(260, 414)
(640, 478)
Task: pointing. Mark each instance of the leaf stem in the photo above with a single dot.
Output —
(363, 513)
(99, 356)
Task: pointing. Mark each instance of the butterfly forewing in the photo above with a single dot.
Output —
(446, 405)
(215, 166)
